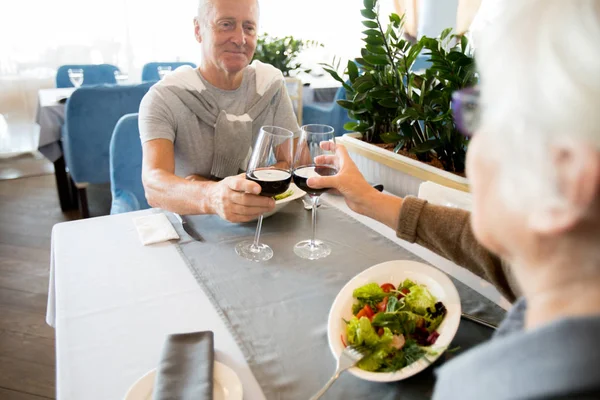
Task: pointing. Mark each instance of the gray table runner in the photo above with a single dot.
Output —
(277, 310)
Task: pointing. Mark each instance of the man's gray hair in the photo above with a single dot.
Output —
(540, 82)
(205, 7)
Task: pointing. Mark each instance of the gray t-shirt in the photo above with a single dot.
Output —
(164, 116)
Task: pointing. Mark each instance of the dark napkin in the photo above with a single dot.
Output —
(186, 367)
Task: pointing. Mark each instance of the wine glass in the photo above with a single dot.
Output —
(163, 70)
(271, 167)
(307, 163)
(75, 76)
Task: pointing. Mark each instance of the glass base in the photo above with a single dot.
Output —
(258, 253)
(312, 250)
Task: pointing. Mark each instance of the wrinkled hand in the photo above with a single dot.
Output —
(236, 199)
(349, 182)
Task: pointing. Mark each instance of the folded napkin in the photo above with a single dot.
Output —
(186, 368)
(154, 228)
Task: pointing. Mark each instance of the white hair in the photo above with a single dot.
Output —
(205, 7)
(539, 64)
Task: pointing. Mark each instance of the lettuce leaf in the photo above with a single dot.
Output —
(370, 291)
(419, 299)
(361, 332)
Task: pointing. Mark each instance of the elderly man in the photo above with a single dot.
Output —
(534, 169)
(197, 126)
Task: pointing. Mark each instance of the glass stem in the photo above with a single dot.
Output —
(257, 233)
(314, 219)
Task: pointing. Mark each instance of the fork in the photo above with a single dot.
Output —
(349, 357)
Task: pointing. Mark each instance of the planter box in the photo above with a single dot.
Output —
(399, 175)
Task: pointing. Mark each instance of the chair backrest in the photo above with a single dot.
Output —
(150, 70)
(90, 118)
(126, 167)
(294, 89)
(93, 74)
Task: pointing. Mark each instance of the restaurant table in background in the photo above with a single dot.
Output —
(113, 301)
(50, 116)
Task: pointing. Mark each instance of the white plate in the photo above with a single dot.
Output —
(226, 385)
(279, 204)
(395, 272)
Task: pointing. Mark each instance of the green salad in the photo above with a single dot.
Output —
(283, 195)
(397, 324)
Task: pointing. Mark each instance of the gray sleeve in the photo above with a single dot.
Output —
(156, 120)
(284, 112)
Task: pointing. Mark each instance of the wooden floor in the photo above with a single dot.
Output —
(28, 210)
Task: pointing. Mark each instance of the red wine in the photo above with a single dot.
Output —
(301, 175)
(272, 181)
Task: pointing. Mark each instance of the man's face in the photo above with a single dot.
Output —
(228, 34)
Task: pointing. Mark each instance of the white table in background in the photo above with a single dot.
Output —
(113, 301)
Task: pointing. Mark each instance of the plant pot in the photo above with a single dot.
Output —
(399, 175)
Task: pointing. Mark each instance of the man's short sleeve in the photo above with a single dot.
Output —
(284, 112)
(156, 120)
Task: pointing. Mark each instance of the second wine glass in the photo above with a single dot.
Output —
(307, 164)
(271, 167)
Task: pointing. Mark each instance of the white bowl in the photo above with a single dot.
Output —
(279, 204)
(395, 272)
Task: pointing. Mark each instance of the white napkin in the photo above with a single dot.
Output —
(154, 228)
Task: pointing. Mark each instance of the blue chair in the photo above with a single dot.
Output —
(126, 167)
(329, 114)
(93, 74)
(150, 70)
(90, 118)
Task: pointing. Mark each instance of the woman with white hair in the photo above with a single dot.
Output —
(534, 170)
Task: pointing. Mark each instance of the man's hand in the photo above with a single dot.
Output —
(236, 199)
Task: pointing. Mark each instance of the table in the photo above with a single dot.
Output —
(50, 116)
(112, 309)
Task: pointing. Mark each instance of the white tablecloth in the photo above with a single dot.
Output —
(50, 116)
(113, 301)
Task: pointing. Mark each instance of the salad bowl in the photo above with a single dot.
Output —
(395, 272)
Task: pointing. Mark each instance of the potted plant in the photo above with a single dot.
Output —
(282, 53)
(403, 110)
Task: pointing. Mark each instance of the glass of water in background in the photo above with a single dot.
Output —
(76, 76)
(163, 70)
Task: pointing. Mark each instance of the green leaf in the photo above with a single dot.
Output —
(425, 147)
(352, 70)
(350, 126)
(347, 104)
(390, 137)
(445, 33)
(376, 59)
(370, 24)
(333, 74)
(395, 18)
(376, 49)
(375, 40)
(382, 94)
(369, 4)
(388, 103)
(372, 32)
(360, 97)
(463, 43)
(368, 14)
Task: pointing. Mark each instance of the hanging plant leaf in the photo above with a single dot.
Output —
(372, 32)
(390, 137)
(376, 40)
(370, 24)
(376, 49)
(352, 70)
(347, 104)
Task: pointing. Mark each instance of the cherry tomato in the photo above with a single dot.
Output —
(367, 311)
(382, 305)
(380, 331)
(387, 287)
(404, 291)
